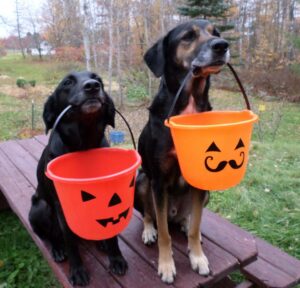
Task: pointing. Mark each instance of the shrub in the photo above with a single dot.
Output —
(21, 83)
(32, 83)
(69, 54)
(136, 92)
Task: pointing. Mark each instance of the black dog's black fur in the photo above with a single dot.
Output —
(195, 44)
(81, 128)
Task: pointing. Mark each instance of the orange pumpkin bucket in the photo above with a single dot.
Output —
(95, 187)
(213, 147)
(96, 190)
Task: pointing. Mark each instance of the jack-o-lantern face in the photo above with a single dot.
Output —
(115, 200)
(99, 212)
(222, 164)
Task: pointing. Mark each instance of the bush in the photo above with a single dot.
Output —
(136, 92)
(32, 83)
(21, 83)
(69, 54)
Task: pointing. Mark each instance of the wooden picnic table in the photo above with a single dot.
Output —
(228, 247)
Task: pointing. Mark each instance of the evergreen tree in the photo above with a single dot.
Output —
(205, 8)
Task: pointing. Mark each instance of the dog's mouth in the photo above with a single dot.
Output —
(91, 105)
(212, 68)
(105, 221)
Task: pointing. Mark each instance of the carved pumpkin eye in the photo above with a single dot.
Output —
(115, 200)
(132, 182)
(239, 145)
(85, 196)
(213, 148)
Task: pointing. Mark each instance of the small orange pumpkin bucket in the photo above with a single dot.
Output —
(95, 187)
(213, 147)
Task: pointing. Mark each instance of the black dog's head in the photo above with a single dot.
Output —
(85, 92)
(193, 45)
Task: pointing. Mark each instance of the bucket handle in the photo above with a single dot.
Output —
(70, 106)
(188, 76)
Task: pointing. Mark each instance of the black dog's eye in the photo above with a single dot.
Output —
(68, 82)
(189, 36)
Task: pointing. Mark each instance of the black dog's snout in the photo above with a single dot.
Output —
(91, 86)
(219, 46)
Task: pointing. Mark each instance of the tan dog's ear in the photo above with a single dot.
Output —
(50, 112)
(155, 58)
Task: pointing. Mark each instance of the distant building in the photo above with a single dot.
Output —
(45, 47)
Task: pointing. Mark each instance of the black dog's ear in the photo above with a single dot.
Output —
(216, 32)
(49, 113)
(155, 58)
(110, 114)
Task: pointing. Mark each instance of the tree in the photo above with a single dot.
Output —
(205, 8)
(18, 19)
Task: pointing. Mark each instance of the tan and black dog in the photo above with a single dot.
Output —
(162, 194)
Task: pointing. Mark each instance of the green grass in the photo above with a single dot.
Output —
(21, 263)
(47, 71)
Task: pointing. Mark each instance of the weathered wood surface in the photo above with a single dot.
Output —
(227, 247)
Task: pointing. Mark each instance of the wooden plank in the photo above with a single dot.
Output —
(21, 159)
(3, 202)
(43, 139)
(264, 274)
(221, 262)
(225, 283)
(245, 284)
(32, 146)
(18, 192)
(278, 258)
(230, 237)
(139, 273)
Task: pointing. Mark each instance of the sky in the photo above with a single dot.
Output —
(7, 11)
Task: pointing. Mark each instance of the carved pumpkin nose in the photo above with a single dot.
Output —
(115, 200)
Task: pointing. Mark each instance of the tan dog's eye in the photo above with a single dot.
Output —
(189, 36)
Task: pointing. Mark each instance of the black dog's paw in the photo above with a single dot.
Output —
(118, 265)
(58, 254)
(79, 276)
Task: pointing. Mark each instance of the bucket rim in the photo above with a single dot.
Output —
(172, 124)
(60, 179)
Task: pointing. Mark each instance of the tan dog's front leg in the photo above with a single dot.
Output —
(197, 257)
(166, 265)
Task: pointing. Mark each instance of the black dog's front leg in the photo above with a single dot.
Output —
(117, 263)
(78, 274)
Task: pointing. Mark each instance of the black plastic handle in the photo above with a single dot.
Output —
(188, 76)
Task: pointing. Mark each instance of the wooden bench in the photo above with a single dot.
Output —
(228, 247)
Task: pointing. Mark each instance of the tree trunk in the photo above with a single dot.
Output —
(19, 28)
(85, 35)
(110, 56)
(119, 72)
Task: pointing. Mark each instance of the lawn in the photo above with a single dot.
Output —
(266, 203)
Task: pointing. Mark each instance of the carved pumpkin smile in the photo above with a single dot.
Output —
(104, 222)
(232, 163)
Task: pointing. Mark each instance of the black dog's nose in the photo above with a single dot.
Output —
(91, 86)
(219, 46)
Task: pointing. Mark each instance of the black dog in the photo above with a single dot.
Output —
(161, 192)
(81, 128)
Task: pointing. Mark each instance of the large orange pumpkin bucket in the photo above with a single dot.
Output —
(95, 188)
(213, 147)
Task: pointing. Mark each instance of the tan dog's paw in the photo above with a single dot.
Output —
(167, 271)
(199, 264)
(149, 235)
